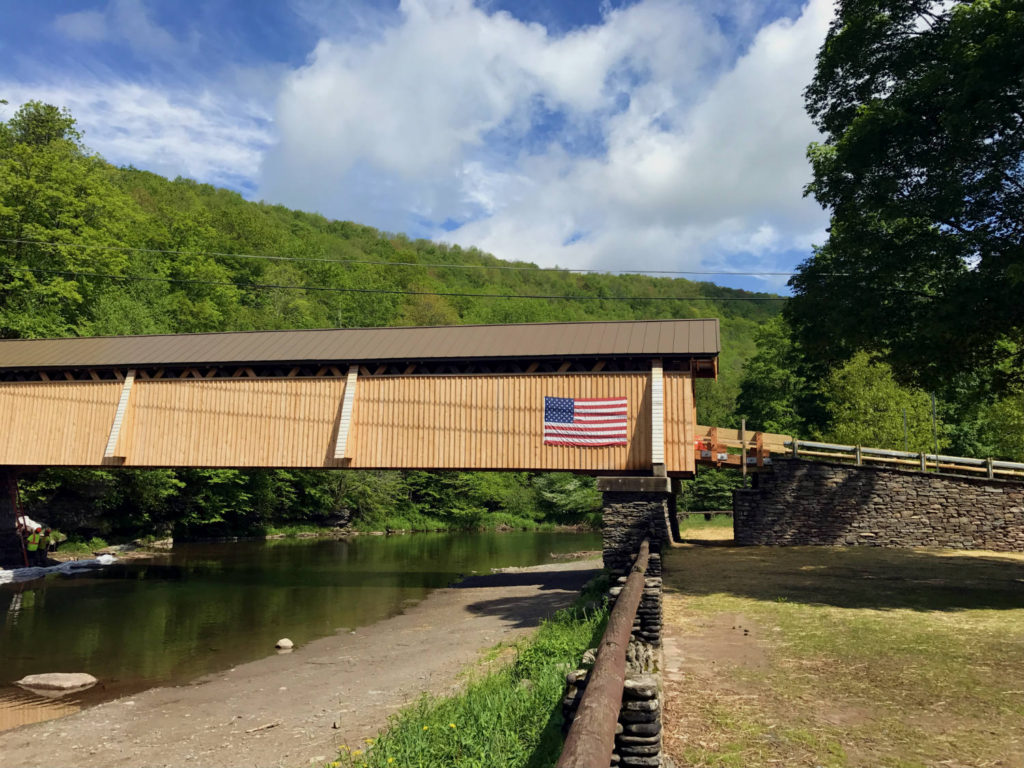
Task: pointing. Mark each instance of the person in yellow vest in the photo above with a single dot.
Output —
(32, 545)
(44, 545)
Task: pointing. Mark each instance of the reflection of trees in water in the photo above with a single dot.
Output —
(208, 607)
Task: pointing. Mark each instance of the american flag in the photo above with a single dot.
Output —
(589, 421)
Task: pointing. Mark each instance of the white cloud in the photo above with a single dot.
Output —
(201, 135)
(428, 117)
(87, 26)
(127, 21)
(662, 137)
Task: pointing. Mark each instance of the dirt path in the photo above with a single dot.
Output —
(354, 679)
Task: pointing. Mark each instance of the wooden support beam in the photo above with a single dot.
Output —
(598, 366)
(533, 367)
(44, 376)
(293, 373)
(657, 413)
(409, 369)
(381, 369)
(345, 422)
(564, 366)
(93, 375)
(743, 447)
(122, 406)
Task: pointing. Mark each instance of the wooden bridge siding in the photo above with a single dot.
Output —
(486, 422)
(224, 423)
(679, 422)
(56, 423)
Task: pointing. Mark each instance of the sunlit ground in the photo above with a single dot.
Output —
(824, 656)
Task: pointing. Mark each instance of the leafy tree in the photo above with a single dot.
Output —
(922, 170)
(865, 405)
(772, 391)
(53, 191)
(710, 490)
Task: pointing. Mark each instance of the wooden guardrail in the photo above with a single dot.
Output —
(713, 444)
(591, 738)
(861, 455)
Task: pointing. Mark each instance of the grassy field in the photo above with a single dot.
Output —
(842, 657)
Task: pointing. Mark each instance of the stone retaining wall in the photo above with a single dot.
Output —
(804, 502)
(634, 509)
(638, 734)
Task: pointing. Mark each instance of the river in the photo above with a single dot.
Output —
(207, 607)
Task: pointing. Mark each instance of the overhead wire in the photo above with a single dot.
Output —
(333, 289)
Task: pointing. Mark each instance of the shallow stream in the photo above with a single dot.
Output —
(207, 607)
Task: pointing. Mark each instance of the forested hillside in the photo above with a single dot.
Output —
(90, 249)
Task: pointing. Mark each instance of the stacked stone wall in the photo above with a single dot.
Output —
(628, 518)
(803, 502)
(638, 733)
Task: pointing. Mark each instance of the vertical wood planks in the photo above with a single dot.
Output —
(489, 422)
(415, 421)
(59, 423)
(679, 429)
(232, 422)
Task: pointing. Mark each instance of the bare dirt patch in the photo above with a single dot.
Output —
(281, 710)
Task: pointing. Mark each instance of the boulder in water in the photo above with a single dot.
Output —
(57, 683)
(284, 644)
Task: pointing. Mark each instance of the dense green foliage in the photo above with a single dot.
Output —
(710, 490)
(55, 197)
(510, 718)
(922, 170)
(919, 283)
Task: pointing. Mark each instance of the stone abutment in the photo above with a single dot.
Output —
(804, 502)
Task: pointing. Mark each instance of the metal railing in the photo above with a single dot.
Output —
(591, 738)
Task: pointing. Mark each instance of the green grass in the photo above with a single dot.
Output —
(294, 530)
(77, 546)
(861, 657)
(509, 718)
(697, 522)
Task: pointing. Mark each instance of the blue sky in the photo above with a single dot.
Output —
(652, 134)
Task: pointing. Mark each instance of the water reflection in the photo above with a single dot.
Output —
(207, 607)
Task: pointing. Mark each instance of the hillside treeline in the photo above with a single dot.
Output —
(87, 248)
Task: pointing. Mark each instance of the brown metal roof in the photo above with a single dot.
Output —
(648, 338)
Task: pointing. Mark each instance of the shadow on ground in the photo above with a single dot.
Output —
(559, 589)
(853, 577)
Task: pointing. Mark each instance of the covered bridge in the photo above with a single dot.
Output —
(590, 397)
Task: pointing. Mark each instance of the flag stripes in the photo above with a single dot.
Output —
(585, 421)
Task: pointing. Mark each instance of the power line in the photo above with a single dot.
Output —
(428, 265)
(330, 289)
